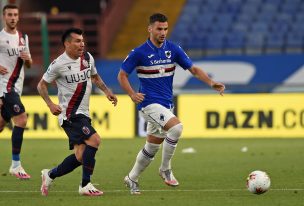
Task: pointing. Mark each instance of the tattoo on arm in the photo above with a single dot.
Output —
(42, 89)
(99, 83)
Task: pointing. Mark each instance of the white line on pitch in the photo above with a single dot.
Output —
(173, 190)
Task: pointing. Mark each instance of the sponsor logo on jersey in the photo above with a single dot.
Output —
(160, 61)
(150, 56)
(81, 76)
(15, 51)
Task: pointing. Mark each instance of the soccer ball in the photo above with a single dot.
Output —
(258, 182)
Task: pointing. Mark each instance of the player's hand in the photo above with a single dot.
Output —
(112, 98)
(137, 97)
(24, 55)
(55, 109)
(3, 70)
(218, 87)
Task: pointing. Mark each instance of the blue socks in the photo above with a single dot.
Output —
(17, 138)
(88, 161)
(68, 165)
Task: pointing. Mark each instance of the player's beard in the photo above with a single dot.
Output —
(12, 25)
(161, 40)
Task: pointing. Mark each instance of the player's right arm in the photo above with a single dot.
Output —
(126, 86)
(43, 91)
(49, 76)
(127, 67)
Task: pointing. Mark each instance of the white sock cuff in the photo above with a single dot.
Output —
(150, 149)
(174, 133)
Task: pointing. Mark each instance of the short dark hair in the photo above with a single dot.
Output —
(157, 17)
(67, 34)
(9, 6)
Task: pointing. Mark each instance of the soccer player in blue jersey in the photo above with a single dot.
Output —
(155, 62)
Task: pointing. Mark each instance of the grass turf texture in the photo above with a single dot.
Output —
(214, 175)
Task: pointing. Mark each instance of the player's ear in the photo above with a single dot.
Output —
(149, 28)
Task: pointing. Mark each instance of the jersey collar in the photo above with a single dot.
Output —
(149, 42)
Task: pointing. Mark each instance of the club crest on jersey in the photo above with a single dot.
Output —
(161, 70)
(85, 63)
(16, 108)
(86, 130)
(22, 41)
(162, 117)
(168, 54)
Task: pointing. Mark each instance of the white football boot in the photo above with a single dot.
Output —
(134, 186)
(168, 177)
(89, 190)
(19, 172)
(46, 182)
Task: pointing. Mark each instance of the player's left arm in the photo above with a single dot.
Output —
(26, 55)
(96, 79)
(203, 76)
(27, 59)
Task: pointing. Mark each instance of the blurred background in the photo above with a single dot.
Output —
(253, 46)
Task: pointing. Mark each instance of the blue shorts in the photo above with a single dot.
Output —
(78, 128)
(12, 106)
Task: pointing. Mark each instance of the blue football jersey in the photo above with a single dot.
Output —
(155, 69)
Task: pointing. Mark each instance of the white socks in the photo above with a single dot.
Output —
(144, 158)
(146, 155)
(169, 146)
(15, 163)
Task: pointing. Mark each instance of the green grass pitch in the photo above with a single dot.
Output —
(214, 175)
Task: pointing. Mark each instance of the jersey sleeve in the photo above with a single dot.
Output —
(93, 66)
(27, 44)
(130, 62)
(182, 58)
(52, 73)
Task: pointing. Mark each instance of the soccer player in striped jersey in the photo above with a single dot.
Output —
(155, 63)
(14, 55)
(73, 72)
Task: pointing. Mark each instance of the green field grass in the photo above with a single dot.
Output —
(214, 175)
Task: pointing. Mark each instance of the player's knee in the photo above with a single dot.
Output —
(20, 120)
(79, 157)
(175, 131)
(94, 140)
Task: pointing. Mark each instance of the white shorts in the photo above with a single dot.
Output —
(156, 117)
